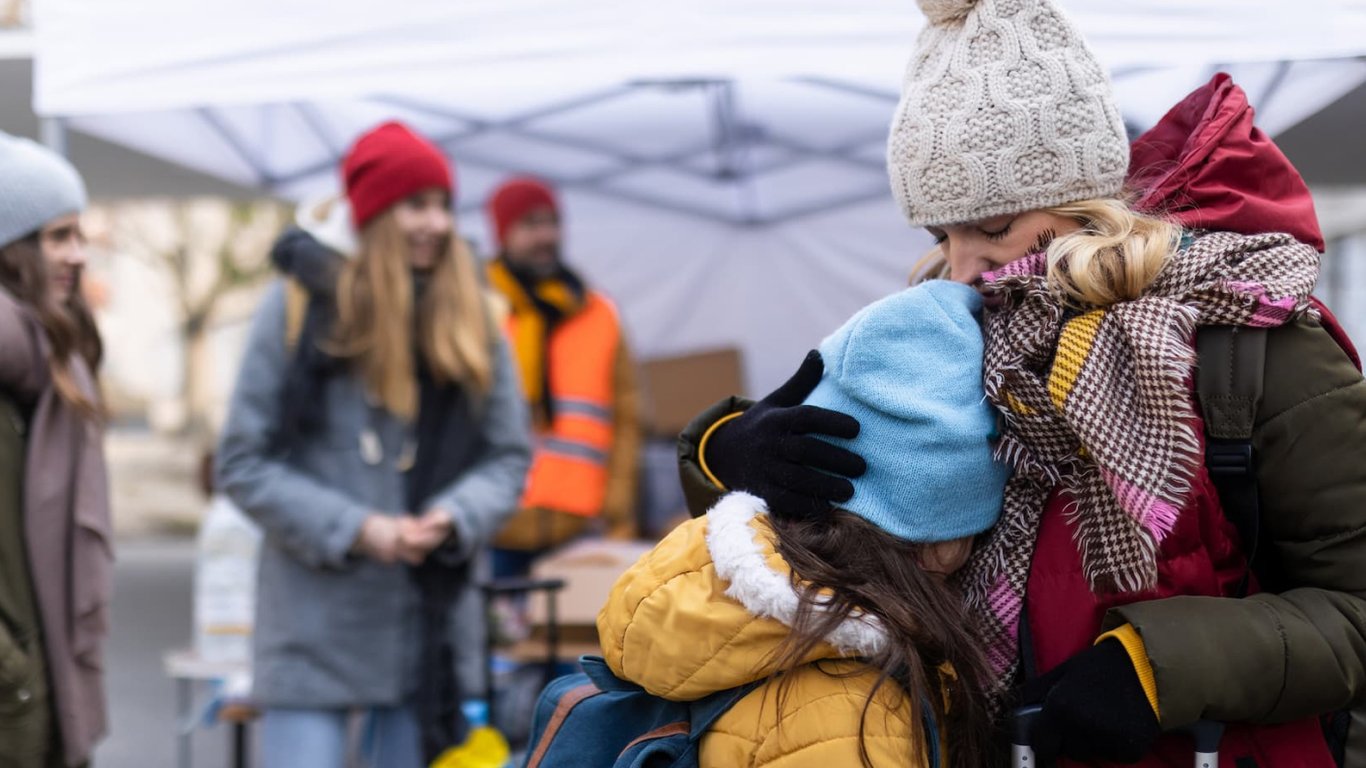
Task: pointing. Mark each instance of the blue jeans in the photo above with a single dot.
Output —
(514, 563)
(317, 738)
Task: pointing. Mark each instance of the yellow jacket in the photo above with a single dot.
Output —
(705, 610)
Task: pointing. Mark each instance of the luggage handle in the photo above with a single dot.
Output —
(1021, 735)
(1206, 733)
(522, 586)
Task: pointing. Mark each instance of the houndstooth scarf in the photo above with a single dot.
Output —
(1098, 404)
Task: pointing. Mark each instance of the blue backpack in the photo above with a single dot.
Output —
(595, 718)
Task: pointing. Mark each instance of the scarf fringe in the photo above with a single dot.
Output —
(1179, 369)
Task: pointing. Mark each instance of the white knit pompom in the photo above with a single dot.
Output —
(941, 12)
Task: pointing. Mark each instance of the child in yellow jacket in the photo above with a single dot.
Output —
(853, 620)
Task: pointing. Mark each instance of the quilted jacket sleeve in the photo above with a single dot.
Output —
(701, 493)
(1300, 649)
(315, 523)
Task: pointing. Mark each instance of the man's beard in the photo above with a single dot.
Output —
(539, 263)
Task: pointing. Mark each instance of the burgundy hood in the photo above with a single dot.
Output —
(1208, 167)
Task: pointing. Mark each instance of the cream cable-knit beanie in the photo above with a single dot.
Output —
(1003, 110)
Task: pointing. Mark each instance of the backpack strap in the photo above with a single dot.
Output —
(595, 667)
(704, 713)
(1229, 379)
(296, 305)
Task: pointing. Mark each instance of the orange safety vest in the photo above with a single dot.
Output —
(569, 468)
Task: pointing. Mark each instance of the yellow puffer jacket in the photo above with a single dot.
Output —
(705, 610)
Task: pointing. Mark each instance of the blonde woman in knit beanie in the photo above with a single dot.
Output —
(56, 561)
(378, 437)
(1119, 591)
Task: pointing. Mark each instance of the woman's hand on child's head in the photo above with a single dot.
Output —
(774, 450)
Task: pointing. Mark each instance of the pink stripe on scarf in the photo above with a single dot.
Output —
(1033, 264)
(1004, 604)
(1269, 313)
(1157, 516)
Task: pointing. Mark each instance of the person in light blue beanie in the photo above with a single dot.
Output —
(909, 368)
(37, 186)
(54, 575)
(850, 620)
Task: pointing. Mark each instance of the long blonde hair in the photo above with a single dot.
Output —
(375, 319)
(1114, 257)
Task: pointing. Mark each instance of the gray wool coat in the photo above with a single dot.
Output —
(334, 629)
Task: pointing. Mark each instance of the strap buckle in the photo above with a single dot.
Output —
(1229, 459)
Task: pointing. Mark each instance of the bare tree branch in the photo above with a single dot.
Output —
(13, 14)
(205, 253)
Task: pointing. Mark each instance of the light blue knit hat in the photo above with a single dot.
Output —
(909, 368)
(36, 186)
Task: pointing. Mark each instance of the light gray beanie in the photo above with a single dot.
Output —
(1003, 110)
(36, 186)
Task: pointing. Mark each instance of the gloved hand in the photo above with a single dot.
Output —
(772, 450)
(1094, 708)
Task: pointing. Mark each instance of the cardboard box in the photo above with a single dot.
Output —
(676, 389)
(589, 569)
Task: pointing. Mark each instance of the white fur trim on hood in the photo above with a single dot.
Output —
(764, 592)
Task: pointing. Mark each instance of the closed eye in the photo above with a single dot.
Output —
(1000, 233)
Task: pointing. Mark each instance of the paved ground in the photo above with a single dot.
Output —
(151, 614)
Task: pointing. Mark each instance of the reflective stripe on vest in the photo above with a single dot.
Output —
(569, 471)
(573, 450)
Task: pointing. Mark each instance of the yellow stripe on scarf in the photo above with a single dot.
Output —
(1018, 406)
(1074, 344)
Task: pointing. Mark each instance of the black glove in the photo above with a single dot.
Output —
(1094, 708)
(772, 452)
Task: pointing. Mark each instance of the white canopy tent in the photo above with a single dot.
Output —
(721, 160)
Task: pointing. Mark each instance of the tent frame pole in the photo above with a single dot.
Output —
(52, 131)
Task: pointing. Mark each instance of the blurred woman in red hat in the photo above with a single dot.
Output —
(378, 437)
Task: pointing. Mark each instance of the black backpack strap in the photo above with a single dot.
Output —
(1229, 383)
(705, 712)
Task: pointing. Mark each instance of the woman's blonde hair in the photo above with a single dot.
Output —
(376, 326)
(1113, 257)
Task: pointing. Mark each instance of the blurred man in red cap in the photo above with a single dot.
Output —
(578, 379)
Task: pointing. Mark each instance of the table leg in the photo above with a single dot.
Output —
(240, 744)
(184, 729)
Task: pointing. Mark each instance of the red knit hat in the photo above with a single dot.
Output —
(515, 199)
(388, 164)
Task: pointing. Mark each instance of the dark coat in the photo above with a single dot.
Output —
(64, 548)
